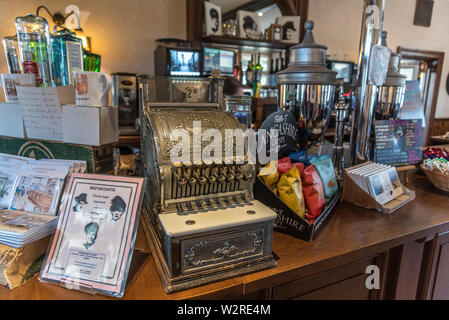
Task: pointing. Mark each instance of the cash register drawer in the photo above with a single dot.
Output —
(213, 251)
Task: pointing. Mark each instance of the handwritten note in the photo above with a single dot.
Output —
(42, 113)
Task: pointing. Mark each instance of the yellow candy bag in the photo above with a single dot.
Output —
(270, 175)
(290, 191)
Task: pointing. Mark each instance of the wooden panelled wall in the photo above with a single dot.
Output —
(439, 127)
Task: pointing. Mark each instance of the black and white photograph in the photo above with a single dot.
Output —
(80, 202)
(248, 24)
(290, 28)
(91, 230)
(212, 14)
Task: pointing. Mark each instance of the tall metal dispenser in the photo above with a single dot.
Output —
(391, 95)
(307, 88)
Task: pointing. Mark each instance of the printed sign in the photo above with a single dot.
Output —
(398, 142)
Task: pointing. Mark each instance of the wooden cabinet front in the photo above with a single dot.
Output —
(347, 282)
(438, 269)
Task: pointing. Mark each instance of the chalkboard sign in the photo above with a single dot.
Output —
(398, 142)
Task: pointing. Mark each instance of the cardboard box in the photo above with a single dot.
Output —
(11, 120)
(287, 220)
(99, 159)
(95, 126)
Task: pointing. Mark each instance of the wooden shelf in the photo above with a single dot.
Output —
(242, 42)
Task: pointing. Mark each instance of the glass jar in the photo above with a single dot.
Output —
(11, 52)
(241, 107)
(67, 56)
(33, 37)
(183, 89)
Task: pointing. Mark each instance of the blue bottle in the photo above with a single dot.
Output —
(67, 55)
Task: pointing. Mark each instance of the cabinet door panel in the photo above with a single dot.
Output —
(345, 282)
(441, 289)
(350, 289)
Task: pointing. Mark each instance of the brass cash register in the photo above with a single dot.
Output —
(202, 220)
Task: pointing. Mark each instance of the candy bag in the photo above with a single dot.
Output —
(284, 165)
(300, 156)
(313, 192)
(300, 167)
(326, 170)
(290, 191)
(270, 175)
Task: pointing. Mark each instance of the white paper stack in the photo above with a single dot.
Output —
(18, 228)
(34, 186)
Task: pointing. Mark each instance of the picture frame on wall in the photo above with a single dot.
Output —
(212, 14)
(290, 28)
(248, 24)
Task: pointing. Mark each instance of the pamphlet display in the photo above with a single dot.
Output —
(380, 181)
(359, 189)
(94, 240)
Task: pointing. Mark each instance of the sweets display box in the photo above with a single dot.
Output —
(287, 221)
(99, 159)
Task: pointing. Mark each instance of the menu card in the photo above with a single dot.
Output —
(413, 108)
(398, 142)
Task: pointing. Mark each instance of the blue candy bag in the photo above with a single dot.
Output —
(326, 170)
(300, 156)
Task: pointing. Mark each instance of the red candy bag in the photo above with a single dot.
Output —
(313, 191)
(284, 165)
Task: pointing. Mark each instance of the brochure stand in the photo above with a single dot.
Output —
(354, 194)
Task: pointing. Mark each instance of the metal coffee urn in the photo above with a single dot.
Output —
(307, 88)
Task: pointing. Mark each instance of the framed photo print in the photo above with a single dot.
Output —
(290, 28)
(248, 24)
(212, 14)
(94, 240)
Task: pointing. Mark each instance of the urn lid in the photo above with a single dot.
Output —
(307, 63)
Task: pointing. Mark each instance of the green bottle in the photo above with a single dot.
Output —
(258, 69)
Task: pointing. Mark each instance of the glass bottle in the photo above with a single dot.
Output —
(249, 72)
(12, 57)
(241, 107)
(67, 56)
(258, 69)
(92, 61)
(241, 72)
(34, 45)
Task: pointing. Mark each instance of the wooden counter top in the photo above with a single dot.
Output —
(352, 233)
